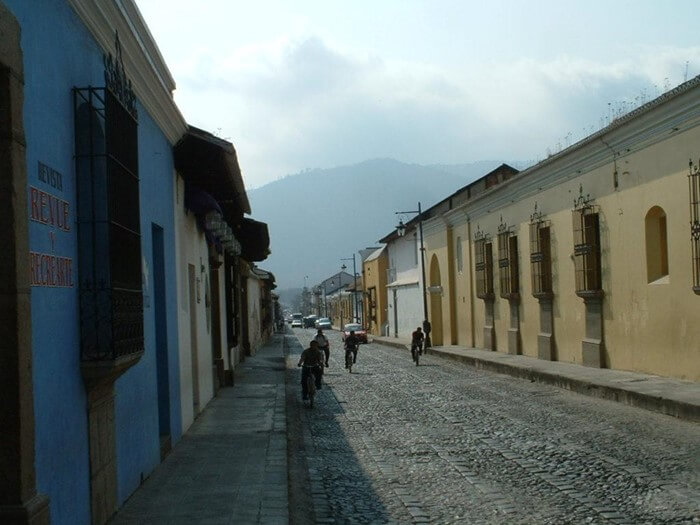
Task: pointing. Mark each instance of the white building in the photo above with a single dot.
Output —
(219, 299)
(404, 284)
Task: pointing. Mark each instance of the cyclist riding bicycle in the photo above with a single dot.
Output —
(417, 339)
(323, 344)
(312, 360)
(351, 344)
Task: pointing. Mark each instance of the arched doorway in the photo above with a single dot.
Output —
(435, 291)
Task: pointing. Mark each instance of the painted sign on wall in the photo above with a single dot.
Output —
(52, 212)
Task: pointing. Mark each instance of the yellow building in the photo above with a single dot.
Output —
(374, 271)
(342, 307)
(591, 256)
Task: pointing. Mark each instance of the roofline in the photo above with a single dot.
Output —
(598, 135)
(618, 123)
(414, 221)
(152, 81)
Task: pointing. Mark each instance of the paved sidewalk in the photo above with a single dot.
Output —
(660, 394)
(231, 466)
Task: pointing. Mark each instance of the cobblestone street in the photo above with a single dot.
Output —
(446, 443)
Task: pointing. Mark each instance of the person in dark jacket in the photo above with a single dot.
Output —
(312, 361)
(351, 345)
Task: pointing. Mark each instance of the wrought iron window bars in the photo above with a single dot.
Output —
(508, 262)
(540, 255)
(483, 264)
(586, 229)
(109, 231)
(694, 191)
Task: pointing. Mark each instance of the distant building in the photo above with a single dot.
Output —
(374, 270)
(326, 293)
(404, 288)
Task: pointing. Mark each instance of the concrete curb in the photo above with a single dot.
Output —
(395, 344)
(603, 389)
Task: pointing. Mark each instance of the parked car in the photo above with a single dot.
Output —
(309, 321)
(360, 332)
(324, 323)
(297, 321)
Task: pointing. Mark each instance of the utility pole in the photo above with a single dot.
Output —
(401, 230)
(354, 286)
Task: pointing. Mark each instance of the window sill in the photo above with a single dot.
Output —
(661, 280)
(590, 294)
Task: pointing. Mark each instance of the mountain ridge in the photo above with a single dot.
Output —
(316, 217)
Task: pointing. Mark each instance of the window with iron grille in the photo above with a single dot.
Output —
(694, 187)
(587, 250)
(109, 237)
(540, 259)
(508, 264)
(483, 259)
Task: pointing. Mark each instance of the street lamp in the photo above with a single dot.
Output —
(401, 231)
(354, 288)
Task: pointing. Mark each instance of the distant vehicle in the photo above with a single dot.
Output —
(360, 332)
(297, 321)
(309, 321)
(324, 323)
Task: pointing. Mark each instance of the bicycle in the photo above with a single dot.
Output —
(416, 351)
(311, 385)
(348, 359)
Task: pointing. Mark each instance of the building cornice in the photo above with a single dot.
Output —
(152, 81)
(457, 217)
(435, 224)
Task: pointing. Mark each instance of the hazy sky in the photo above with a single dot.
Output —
(303, 84)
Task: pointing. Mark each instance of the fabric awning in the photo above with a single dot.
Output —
(265, 276)
(199, 201)
(210, 163)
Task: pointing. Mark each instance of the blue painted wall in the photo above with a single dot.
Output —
(59, 53)
(138, 442)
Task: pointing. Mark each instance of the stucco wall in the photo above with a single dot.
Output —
(193, 250)
(647, 327)
(374, 276)
(404, 258)
(58, 48)
(437, 253)
(59, 54)
(410, 309)
(136, 402)
(254, 328)
(462, 287)
(222, 317)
